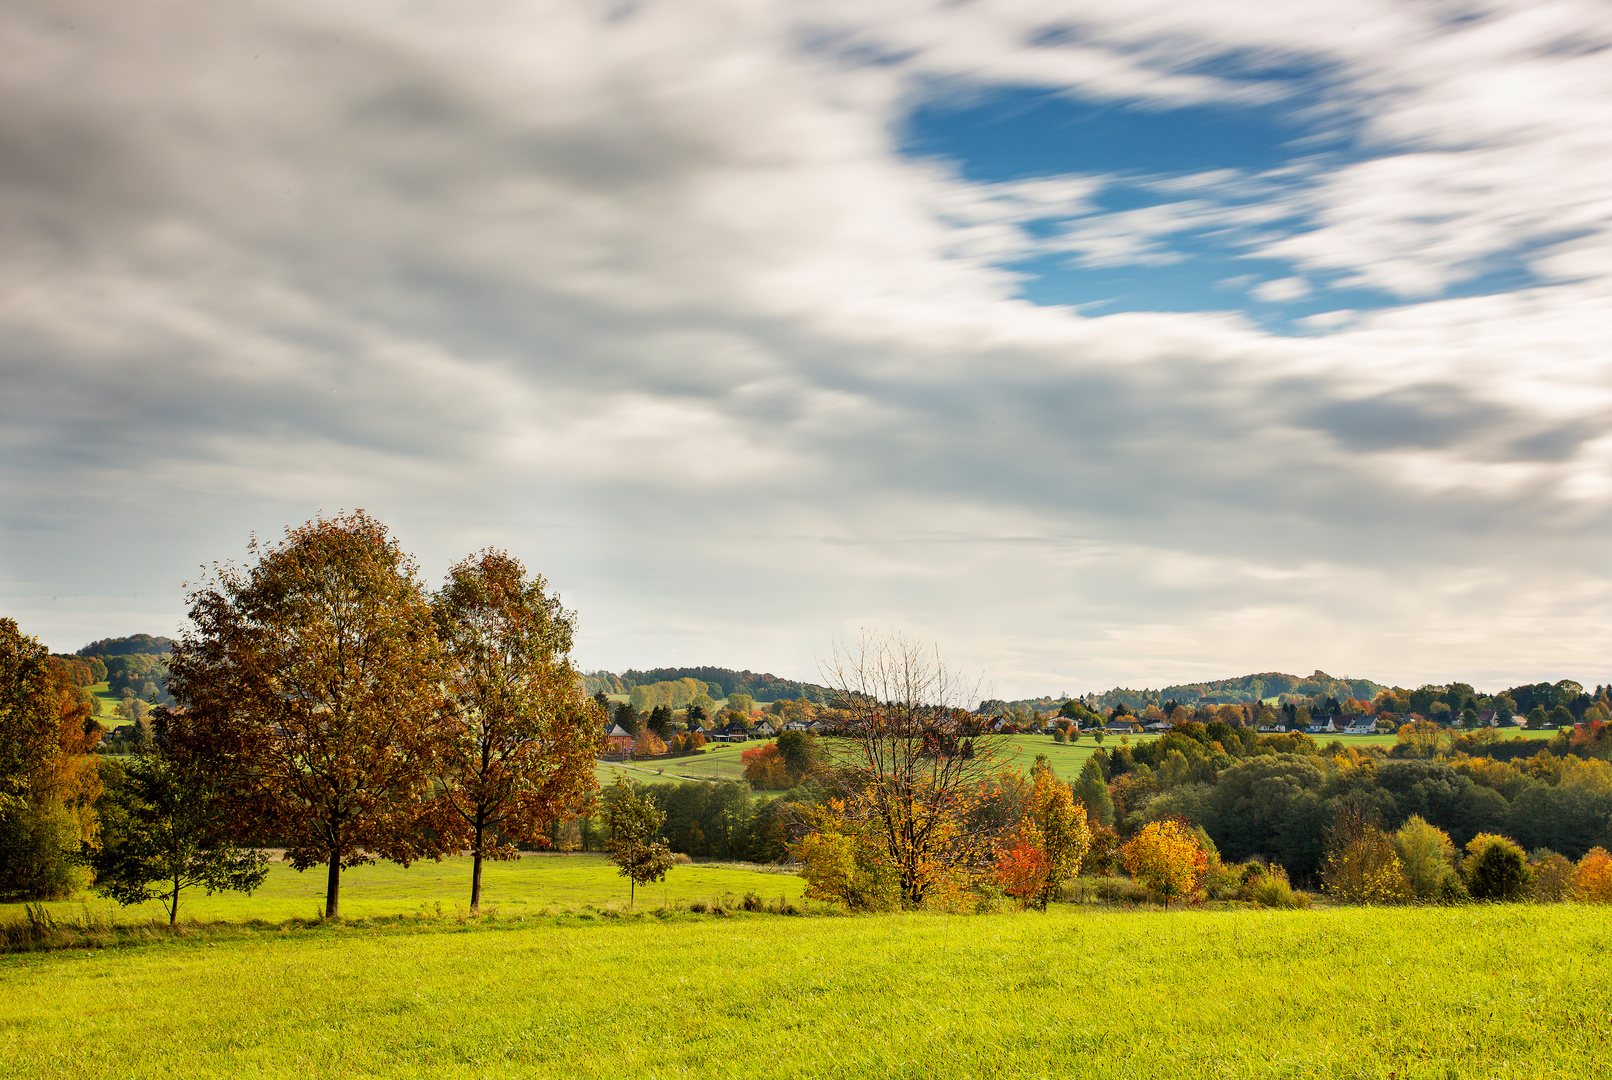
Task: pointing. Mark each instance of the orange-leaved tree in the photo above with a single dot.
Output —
(312, 680)
(1021, 863)
(1046, 849)
(1592, 880)
(1166, 858)
(521, 733)
(765, 768)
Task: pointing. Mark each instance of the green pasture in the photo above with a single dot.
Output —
(1407, 994)
(722, 761)
(532, 883)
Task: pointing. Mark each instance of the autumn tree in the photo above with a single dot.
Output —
(1046, 849)
(1592, 879)
(633, 820)
(48, 775)
(1426, 857)
(912, 761)
(519, 734)
(1165, 857)
(765, 768)
(165, 829)
(1362, 866)
(314, 680)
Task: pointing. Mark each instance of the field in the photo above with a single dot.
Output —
(532, 883)
(1392, 993)
(722, 761)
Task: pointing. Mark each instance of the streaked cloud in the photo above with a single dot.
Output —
(655, 296)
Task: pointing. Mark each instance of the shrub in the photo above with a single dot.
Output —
(1451, 891)
(1426, 856)
(1366, 870)
(39, 845)
(1275, 892)
(843, 868)
(1592, 880)
(1496, 869)
(1118, 890)
(1553, 876)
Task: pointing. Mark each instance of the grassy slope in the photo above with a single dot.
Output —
(1416, 993)
(722, 761)
(528, 884)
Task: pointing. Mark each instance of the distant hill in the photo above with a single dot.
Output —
(763, 687)
(133, 645)
(1247, 688)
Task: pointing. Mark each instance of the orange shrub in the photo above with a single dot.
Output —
(1592, 881)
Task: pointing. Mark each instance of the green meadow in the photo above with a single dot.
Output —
(723, 761)
(1406, 994)
(535, 882)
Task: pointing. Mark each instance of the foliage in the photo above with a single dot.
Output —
(1592, 879)
(765, 768)
(1092, 791)
(49, 778)
(520, 736)
(133, 645)
(165, 830)
(39, 840)
(648, 744)
(1426, 856)
(313, 680)
(802, 752)
(1362, 866)
(1045, 850)
(633, 820)
(846, 868)
(30, 711)
(1022, 866)
(1553, 876)
(915, 763)
(1166, 858)
(1495, 868)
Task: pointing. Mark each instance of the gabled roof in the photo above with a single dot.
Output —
(618, 732)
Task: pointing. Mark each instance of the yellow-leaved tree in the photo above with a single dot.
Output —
(1166, 858)
(1045, 851)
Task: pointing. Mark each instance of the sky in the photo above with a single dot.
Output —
(1100, 343)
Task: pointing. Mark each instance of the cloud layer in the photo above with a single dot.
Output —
(651, 295)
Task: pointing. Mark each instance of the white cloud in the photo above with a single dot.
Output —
(654, 301)
(1281, 290)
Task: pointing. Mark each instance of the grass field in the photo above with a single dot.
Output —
(532, 883)
(1408, 994)
(722, 761)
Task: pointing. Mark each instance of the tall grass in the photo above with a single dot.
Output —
(1407, 993)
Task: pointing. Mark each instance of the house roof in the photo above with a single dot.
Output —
(618, 732)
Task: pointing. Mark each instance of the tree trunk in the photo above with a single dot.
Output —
(173, 910)
(333, 887)
(475, 875)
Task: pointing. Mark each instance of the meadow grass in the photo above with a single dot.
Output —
(533, 883)
(723, 761)
(1408, 994)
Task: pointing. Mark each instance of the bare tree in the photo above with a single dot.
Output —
(915, 762)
